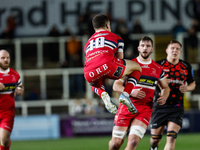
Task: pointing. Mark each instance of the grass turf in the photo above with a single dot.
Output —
(184, 142)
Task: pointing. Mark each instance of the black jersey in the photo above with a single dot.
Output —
(178, 74)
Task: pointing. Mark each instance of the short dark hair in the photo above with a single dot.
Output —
(99, 21)
(146, 38)
(174, 41)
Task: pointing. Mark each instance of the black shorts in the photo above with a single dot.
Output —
(162, 118)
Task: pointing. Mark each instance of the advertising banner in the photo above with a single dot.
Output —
(36, 127)
(38, 16)
(76, 126)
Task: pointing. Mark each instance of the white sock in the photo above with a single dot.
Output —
(126, 94)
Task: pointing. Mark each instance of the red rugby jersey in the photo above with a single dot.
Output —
(101, 48)
(11, 79)
(151, 73)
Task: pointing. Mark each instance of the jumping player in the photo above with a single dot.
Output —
(177, 72)
(142, 98)
(10, 84)
(104, 59)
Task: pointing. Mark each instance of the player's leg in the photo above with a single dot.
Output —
(133, 72)
(156, 136)
(96, 78)
(5, 139)
(118, 136)
(137, 131)
(172, 131)
(110, 106)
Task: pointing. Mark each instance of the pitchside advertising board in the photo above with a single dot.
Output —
(36, 17)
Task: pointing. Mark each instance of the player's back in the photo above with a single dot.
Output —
(101, 48)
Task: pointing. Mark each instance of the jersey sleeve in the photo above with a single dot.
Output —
(162, 75)
(120, 44)
(190, 77)
(19, 82)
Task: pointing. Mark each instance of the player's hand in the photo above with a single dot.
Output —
(19, 90)
(138, 93)
(183, 88)
(161, 100)
(2, 86)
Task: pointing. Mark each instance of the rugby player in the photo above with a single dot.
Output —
(104, 60)
(10, 84)
(177, 72)
(141, 96)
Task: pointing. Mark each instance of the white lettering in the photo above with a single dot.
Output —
(98, 70)
(91, 74)
(105, 67)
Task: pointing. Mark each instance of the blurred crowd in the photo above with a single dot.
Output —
(119, 26)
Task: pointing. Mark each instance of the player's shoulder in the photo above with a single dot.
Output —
(156, 64)
(185, 63)
(135, 59)
(12, 71)
(115, 36)
(161, 62)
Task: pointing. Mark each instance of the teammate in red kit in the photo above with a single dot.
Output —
(10, 84)
(141, 96)
(104, 59)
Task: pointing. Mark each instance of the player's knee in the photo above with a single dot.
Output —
(5, 142)
(137, 130)
(115, 144)
(155, 139)
(172, 134)
(133, 143)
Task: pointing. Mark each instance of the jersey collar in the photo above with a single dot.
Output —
(5, 71)
(101, 30)
(144, 62)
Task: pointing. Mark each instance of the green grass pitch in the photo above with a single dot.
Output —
(184, 142)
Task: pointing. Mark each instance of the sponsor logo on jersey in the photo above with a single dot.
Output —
(9, 87)
(145, 66)
(177, 81)
(6, 74)
(147, 81)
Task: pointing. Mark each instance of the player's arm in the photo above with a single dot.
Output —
(119, 55)
(19, 90)
(186, 88)
(165, 90)
(2, 86)
(190, 80)
(120, 50)
(118, 86)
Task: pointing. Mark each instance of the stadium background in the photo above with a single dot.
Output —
(57, 102)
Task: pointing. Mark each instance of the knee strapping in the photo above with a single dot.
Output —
(172, 134)
(119, 134)
(137, 130)
(156, 136)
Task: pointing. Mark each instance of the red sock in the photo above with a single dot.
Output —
(132, 81)
(5, 148)
(98, 91)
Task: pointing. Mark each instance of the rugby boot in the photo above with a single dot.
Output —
(126, 101)
(110, 106)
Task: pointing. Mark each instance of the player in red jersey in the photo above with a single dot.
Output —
(142, 98)
(10, 84)
(104, 59)
(177, 72)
